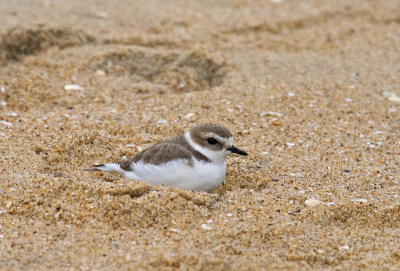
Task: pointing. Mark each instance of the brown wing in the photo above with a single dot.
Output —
(162, 152)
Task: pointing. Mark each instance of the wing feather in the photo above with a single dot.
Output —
(160, 153)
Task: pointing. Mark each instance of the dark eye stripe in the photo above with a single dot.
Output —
(212, 141)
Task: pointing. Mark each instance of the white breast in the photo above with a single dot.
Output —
(202, 176)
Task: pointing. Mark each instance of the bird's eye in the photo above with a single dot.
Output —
(212, 141)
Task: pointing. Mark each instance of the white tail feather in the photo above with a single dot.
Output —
(107, 167)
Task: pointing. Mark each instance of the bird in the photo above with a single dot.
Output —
(194, 160)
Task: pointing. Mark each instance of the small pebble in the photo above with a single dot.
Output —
(312, 202)
(371, 145)
(270, 113)
(205, 227)
(10, 114)
(289, 144)
(162, 121)
(102, 15)
(394, 99)
(359, 200)
(274, 121)
(73, 87)
(100, 72)
(189, 115)
(130, 145)
(7, 123)
(347, 170)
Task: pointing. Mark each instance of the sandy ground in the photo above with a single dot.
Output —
(311, 90)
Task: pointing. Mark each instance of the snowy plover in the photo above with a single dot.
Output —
(195, 160)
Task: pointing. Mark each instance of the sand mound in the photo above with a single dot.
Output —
(19, 41)
(179, 72)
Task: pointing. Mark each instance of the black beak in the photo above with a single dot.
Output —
(233, 149)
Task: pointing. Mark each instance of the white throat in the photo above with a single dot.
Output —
(214, 156)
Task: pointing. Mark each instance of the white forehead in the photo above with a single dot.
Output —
(227, 141)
